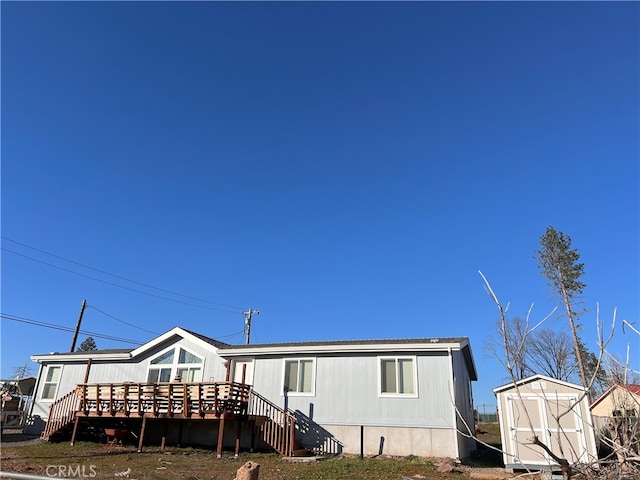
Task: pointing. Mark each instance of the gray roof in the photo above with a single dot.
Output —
(209, 340)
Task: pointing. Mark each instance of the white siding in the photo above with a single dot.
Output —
(347, 388)
(132, 370)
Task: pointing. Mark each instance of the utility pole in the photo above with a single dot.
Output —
(247, 322)
(75, 334)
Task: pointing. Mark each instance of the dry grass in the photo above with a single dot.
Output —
(97, 461)
(490, 433)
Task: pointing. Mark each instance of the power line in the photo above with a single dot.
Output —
(66, 329)
(117, 276)
(241, 332)
(122, 321)
(115, 284)
(62, 328)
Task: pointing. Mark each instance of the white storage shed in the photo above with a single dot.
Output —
(555, 412)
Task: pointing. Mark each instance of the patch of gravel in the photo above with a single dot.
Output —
(16, 438)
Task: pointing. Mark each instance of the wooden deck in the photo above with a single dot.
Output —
(213, 401)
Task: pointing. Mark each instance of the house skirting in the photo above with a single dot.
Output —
(395, 441)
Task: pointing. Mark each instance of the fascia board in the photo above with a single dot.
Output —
(57, 357)
(167, 335)
(535, 378)
(360, 348)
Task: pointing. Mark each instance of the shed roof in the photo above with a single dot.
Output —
(535, 378)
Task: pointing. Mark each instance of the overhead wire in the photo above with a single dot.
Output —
(122, 321)
(241, 332)
(117, 285)
(62, 328)
(116, 276)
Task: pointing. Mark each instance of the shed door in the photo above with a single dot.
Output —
(545, 418)
(566, 429)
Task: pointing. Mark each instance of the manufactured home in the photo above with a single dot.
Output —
(395, 397)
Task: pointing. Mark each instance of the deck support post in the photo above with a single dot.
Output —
(253, 428)
(220, 436)
(238, 432)
(144, 425)
(163, 442)
(180, 424)
(75, 430)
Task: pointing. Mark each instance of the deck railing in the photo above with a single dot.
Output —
(277, 426)
(171, 399)
(179, 400)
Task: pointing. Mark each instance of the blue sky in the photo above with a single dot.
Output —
(345, 168)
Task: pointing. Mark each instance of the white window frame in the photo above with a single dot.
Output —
(291, 393)
(395, 394)
(174, 366)
(44, 383)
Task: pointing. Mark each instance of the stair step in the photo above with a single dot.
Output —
(301, 452)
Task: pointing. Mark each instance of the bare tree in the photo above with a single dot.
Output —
(550, 352)
(510, 345)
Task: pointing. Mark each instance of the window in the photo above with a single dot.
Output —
(397, 376)
(164, 359)
(188, 357)
(51, 383)
(298, 376)
(159, 375)
(176, 364)
(193, 374)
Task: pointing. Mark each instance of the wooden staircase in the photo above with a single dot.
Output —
(62, 414)
(276, 426)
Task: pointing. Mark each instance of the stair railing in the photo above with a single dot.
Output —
(279, 427)
(61, 413)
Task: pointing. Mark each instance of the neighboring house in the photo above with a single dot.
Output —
(15, 398)
(396, 397)
(618, 400)
(615, 415)
(555, 412)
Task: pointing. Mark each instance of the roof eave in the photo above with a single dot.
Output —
(62, 357)
(306, 349)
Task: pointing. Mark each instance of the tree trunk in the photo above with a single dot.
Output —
(576, 343)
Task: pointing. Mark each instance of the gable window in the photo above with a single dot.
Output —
(176, 364)
(51, 382)
(298, 376)
(397, 376)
